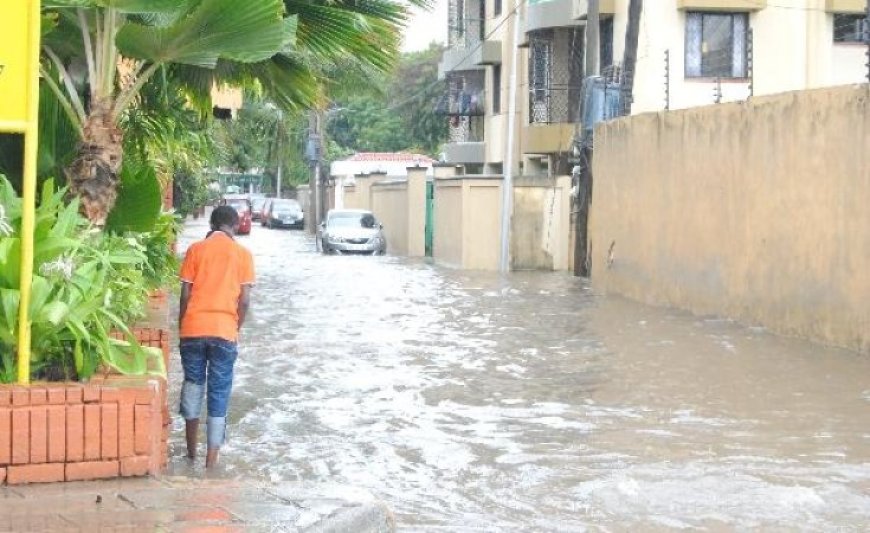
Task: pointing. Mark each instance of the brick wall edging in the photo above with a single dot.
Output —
(112, 426)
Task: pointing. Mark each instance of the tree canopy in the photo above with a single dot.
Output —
(396, 113)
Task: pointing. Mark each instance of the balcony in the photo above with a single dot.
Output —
(466, 141)
(554, 104)
(605, 7)
(476, 58)
(553, 111)
(464, 107)
(721, 5)
(545, 14)
(544, 139)
(555, 90)
(467, 50)
(855, 7)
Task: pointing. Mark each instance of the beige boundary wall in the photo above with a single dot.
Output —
(400, 205)
(467, 217)
(541, 224)
(468, 222)
(758, 211)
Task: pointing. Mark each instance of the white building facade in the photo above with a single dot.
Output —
(690, 53)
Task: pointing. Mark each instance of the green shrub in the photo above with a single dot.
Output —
(86, 284)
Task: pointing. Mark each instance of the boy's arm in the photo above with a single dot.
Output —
(244, 304)
(182, 304)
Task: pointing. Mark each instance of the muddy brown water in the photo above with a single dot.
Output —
(480, 402)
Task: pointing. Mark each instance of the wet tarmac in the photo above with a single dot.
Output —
(479, 402)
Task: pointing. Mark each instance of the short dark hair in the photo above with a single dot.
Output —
(224, 215)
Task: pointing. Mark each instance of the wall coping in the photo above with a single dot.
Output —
(388, 183)
(492, 177)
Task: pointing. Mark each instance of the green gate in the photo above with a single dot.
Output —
(430, 217)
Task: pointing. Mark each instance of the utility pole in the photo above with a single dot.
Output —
(279, 143)
(313, 155)
(629, 61)
(507, 196)
(321, 183)
(867, 37)
(593, 45)
(583, 144)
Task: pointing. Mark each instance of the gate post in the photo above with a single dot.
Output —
(416, 205)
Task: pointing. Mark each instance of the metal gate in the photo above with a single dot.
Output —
(430, 217)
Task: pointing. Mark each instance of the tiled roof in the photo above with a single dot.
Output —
(391, 156)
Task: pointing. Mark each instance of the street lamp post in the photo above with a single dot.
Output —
(313, 155)
(279, 143)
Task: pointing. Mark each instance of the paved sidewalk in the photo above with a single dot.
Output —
(188, 505)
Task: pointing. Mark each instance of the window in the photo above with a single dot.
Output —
(605, 49)
(496, 89)
(496, 8)
(849, 28)
(540, 69)
(716, 45)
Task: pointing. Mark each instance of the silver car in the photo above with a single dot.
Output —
(352, 231)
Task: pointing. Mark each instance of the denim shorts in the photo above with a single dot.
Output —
(208, 367)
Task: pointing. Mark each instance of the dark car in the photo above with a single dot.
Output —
(257, 204)
(243, 207)
(265, 210)
(285, 214)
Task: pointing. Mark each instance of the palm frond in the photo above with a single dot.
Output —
(212, 30)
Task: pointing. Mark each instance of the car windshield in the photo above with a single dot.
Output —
(238, 205)
(286, 206)
(258, 203)
(351, 220)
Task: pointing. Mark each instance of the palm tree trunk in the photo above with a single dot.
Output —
(93, 174)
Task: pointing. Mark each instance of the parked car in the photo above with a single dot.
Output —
(285, 213)
(265, 210)
(243, 207)
(257, 203)
(352, 231)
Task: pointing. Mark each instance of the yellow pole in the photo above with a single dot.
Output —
(28, 196)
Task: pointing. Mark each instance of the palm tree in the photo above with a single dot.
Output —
(98, 54)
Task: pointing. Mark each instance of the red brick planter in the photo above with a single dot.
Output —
(112, 426)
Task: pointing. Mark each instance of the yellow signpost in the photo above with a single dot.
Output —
(19, 113)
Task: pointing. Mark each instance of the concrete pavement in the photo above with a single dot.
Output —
(186, 504)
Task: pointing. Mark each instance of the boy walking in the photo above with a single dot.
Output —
(216, 279)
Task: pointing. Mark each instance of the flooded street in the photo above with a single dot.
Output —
(478, 402)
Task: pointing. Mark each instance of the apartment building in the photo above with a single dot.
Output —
(690, 53)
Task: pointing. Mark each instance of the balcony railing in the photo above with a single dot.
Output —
(465, 33)
(464, 96)
(462, 104)
(465, 129)
(555, 76)
(554, 105)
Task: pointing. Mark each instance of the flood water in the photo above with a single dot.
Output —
(479, 402)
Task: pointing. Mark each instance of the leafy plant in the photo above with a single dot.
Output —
(139, 200)
(190, 192)
(161, 266)
(84, 285)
